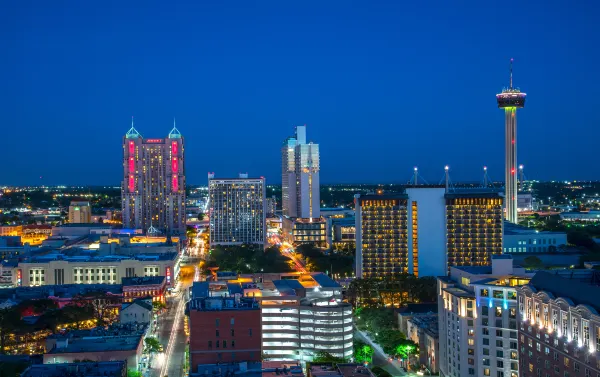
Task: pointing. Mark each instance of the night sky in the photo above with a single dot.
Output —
(381, 86)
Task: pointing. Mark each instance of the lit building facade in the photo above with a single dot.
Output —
(559, 327)
(301, 198)
(477, 320)
(80, 212)
(237, 208)
(153, 188)
(426, 230)
(93, 270)
(474, 221)
(381, 235)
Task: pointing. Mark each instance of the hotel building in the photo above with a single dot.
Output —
(477, 319)
(559, 327)
(153, 187)
(426, 230)
(237, 208)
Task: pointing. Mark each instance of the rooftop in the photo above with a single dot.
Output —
(341, 370)
(222, 303)
(100, 344)
(577, 291)
(511, 229)
(144, 280)
(84, 369)
(418, 308)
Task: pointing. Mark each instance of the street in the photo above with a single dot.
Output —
(171, 332)
(380, 359)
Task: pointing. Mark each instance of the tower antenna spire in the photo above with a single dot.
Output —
(511, 64)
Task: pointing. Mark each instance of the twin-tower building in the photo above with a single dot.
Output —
(153, 187)
(426, 230)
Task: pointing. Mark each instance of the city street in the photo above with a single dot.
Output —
(171, 332)
(380, 359)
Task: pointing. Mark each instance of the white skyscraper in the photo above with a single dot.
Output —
(301, 199)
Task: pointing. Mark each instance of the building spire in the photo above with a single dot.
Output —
(132, 133)
(511, 63)
(174, 134)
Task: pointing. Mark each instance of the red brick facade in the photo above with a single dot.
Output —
(225, 336)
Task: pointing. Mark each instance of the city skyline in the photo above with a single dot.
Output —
(383, 80)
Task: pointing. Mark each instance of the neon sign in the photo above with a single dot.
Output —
(174, 148)
(131, 148)
(19, 277)
(131, 165)
(168, 275)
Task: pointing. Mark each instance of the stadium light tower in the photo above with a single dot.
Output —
(510, 100)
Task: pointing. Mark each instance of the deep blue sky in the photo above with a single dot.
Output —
(382, 86)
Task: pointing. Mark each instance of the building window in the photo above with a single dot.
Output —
(210, 344)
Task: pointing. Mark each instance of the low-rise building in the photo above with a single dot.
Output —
(559, 327)
(138, 311)
(79, 369)
(11, 230)
(304, 231)
(423, 330)
(520, 239)
(145, 286)
(589, 216)
(59, 269)
(224, 330)
(338, 370)
(122, 342)
(414, 310)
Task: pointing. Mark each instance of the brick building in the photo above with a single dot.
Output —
(224, 330)
(559, 327)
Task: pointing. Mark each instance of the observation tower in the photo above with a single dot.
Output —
(510, 100)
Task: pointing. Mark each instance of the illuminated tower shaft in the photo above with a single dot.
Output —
(510, 175)
(510, 100)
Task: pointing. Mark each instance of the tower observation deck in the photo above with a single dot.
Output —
(510, 100)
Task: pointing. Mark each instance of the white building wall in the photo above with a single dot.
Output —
(431, 230)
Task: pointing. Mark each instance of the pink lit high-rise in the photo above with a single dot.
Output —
(153, 188)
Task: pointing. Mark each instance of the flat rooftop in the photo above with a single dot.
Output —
(100, 344)
(577, 291)
(87, 369)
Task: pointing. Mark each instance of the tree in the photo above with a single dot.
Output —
(533, 262)
(134, 373)
(152, 345)
(363, 353)
(158, 305)
(10, 321)
(380, 372)
(326, 357)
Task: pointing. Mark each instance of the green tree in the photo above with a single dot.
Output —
(326, 357)
(158, 305)
(533, 262)
(363, 353)
(152, 345)
(133, 373)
